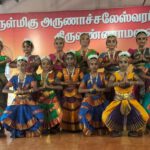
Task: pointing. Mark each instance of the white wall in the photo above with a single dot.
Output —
(11, 6)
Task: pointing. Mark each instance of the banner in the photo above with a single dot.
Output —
(41, 28)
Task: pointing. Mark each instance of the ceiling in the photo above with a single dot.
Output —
(14, 6)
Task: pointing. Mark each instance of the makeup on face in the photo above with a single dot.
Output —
(59, 44)
(70, 60)
(85, 40)
(111, 42)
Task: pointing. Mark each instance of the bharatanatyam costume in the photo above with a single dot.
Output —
(105, 58)
(58, 66)
(49, 103)
(71, 99)
(94, 103)
(125, 112)
(23, 117)
(81, 62)
(3, 81)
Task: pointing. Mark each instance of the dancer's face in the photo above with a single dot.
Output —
(123, 63)
(46, 65)
(141, 39)
(21, 65)
(85, 40)
(27, 48)
(111, 43)
(93, 64)
(59, 44)
(70, 60)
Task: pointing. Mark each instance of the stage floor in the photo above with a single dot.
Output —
(75, 141)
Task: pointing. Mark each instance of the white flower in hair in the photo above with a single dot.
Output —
(92, 56)
(124, 53)
(59, 36)
(71, 51)
(111, 34)
(45, 57)
(22, 58)
(141, 31)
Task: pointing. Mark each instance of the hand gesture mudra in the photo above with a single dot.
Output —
(58, 58)
(125, 82)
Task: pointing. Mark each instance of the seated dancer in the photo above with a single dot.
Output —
(47, 98)
(70, 78)
(124, 113)
(94, 103)
(23, 118)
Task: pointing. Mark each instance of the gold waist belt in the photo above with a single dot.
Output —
(120, 96)
(23, 96)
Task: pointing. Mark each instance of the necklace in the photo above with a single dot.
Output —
(142, 52)
(22, 83)
(109, 55)
(91, 79)
(71, 72)
(84, 52)
(44, 78)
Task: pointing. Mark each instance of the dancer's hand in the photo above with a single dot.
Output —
(7, 59)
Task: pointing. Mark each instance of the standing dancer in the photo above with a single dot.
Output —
(84, 52)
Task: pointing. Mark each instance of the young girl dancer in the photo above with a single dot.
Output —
(23, 118)
(70, 78)
(124, 113)
(48, 99)
(93, 104)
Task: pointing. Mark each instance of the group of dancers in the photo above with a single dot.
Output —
(96, 93)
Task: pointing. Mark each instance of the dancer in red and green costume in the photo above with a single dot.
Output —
(47, 98)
